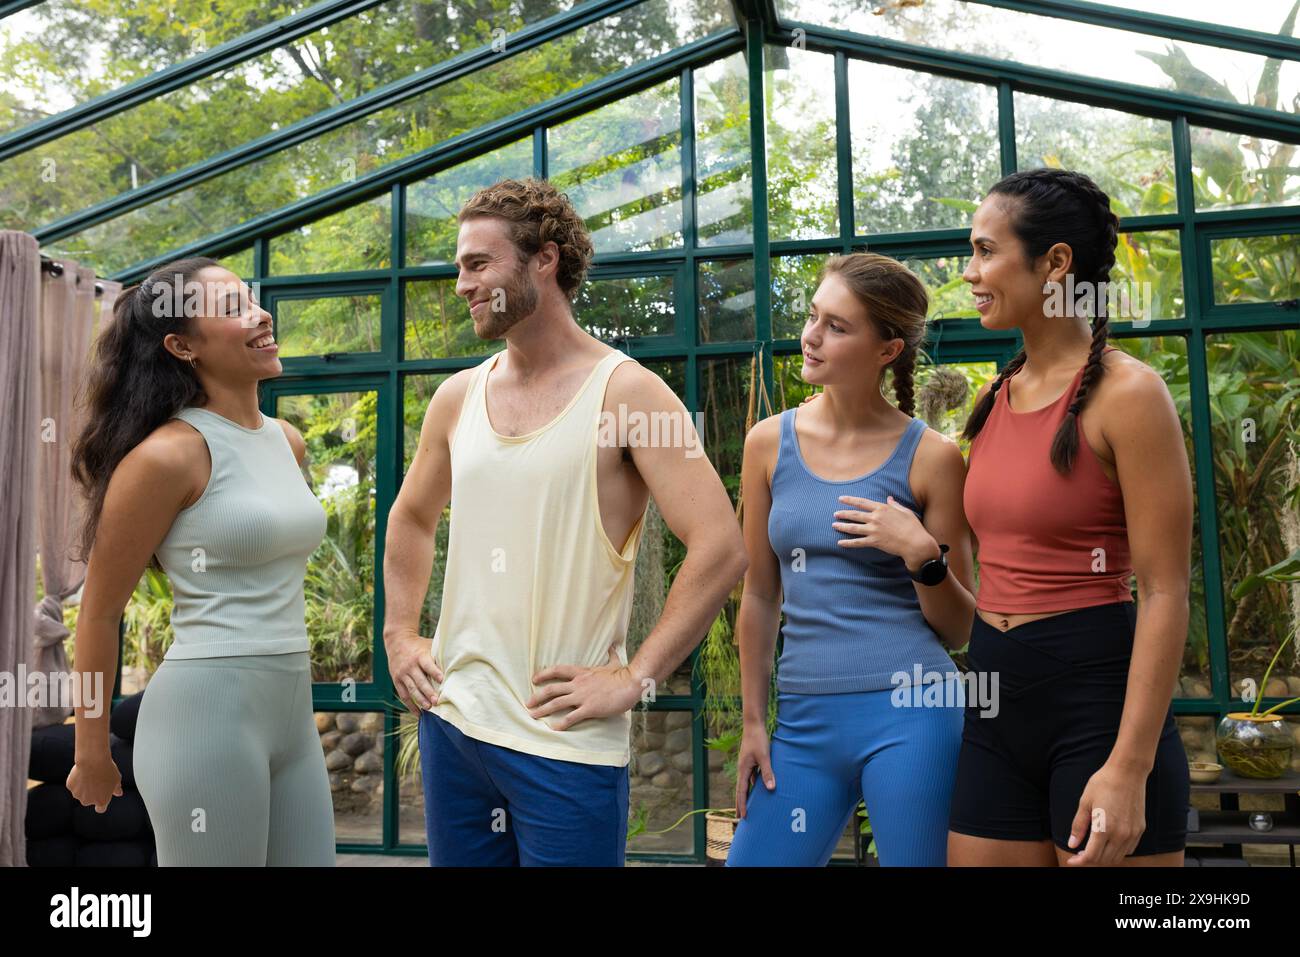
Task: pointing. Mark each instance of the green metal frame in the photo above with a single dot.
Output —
(13, 6)
(952, 340)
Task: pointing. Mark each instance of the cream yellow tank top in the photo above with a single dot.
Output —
(532, 579)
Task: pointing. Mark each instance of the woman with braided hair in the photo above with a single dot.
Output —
(1077, 480)
(850, 506)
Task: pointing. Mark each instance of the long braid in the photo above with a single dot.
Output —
(904, 379)
(985, 405)
(1065, 444)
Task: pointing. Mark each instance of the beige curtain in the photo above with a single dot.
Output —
(20, 276)
(69, 312)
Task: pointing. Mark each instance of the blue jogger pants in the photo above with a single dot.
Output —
(486, 806)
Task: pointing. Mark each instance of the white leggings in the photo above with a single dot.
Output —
(230, 766)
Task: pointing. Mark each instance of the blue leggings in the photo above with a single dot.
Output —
(489, 806)
(830, 749)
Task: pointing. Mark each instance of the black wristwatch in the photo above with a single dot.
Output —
(932, 571)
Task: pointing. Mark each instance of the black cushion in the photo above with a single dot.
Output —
(58, 851)
(55, 747)
(122, 721)
(53, 750)
(113, 854)
(124, 819)
(49, 811)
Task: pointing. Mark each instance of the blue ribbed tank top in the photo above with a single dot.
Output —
(852, 616)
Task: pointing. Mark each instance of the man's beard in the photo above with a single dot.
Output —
(520, 299)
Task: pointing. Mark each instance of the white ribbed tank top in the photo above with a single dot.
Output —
(236, 557)
(532, 579)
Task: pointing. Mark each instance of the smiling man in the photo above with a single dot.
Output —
(524, 693)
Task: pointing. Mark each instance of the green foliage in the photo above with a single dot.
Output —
(1255, 430)
(146, 622)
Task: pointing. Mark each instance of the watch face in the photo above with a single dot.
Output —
(933, 571)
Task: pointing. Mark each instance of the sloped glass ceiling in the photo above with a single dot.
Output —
(1097, 52)
(231, 107)
(61, 53)
(505, 86)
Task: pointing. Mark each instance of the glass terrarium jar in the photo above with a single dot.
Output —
(1255, 746)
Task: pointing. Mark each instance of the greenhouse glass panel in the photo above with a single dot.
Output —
(949, 294)
(329, 324)
(60, 53)
(438, 323)
(242, 103)
(794, 281)
(1266, 16)
(359, 237)
(802, 177)
(1130, 157)
(1148, 277)
(621, 167)
(925, 148)
(1254, 380)
(1255, 268)
(1054, 43)
(432, 204)
(340, 431)
(240, 262)
(631, 307)
(368, 144)
(724, 196)
(726, 292)
(1167, 355)
(1233, 171)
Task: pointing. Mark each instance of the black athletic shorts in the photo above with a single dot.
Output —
(1060, 695)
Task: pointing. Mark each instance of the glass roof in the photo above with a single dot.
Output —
(60, 53)
(503, 87)
(312, 111)
(234, 106)
(1051, 42)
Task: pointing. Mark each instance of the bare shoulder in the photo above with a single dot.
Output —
(1129, 380)
(296, 441)
(173, 443)
(763, 442)
(765, 434)
(173, 456)
(637, 387)
(451, 391)
(938, 464)
(444, 408)
(937, 451)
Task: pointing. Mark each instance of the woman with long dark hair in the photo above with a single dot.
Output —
(183, 473)
(852, 518)
(1078, 479)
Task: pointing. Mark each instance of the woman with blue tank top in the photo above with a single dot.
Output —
(854, 528)
(184, 474)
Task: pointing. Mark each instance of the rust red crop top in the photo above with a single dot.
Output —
(1046, 541)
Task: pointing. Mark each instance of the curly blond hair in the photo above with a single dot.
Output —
(538, 213)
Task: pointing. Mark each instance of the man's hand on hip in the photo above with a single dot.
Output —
(411, 665)
(591, 692)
